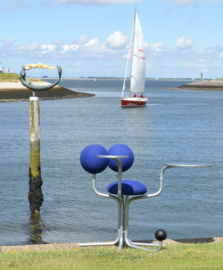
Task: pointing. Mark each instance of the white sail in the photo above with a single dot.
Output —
(138, 71)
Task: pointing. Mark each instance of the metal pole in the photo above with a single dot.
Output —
(35, 181)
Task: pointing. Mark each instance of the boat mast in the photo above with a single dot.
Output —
(123, 89)
(132, 53)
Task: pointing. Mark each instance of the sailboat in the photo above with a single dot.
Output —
(138, 69)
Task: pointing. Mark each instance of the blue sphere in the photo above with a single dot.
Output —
(89, 160)
(121, 150)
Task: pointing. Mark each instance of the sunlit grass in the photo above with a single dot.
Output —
(190, 256)
(14, 77)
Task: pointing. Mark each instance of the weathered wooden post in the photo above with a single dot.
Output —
(35, 180)
(35, 196)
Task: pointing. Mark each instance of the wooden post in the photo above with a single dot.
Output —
(35, 181)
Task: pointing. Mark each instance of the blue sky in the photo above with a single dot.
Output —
(90, 37)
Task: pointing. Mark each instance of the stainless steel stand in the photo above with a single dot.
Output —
(123, 207)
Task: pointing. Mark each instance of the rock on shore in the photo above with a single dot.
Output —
(212, 85)
(17, 92)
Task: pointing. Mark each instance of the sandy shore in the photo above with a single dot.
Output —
(12, 91)
(75, 246)
(212, 85)
(18, 85)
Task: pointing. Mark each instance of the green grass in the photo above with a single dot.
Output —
(191, 256)
(9, 77)
(14, 77)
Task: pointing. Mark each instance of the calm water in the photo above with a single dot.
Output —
(175, 126)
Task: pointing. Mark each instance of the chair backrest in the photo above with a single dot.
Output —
(121, 150)
(89, 160)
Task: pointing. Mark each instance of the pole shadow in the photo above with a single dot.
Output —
(36, 229)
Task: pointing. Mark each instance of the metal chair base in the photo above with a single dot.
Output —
(123, 227)
(127, 242)
(123, 208)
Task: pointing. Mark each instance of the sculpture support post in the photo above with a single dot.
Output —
(35, 181)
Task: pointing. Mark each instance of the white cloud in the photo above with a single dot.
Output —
(48, 48)
(200, 51)
(26, 47)
(190, 2)
(82, 39)
(117, 40)
(58, 41)
(8, 42)
(220, 56)
(97, 2)
(125, 56)
(190, 64)
(92, 49)
(96, 50)
(146, 44)
(159, 56)
(182, 2)
(77, 64)
(67, 48)
(158, 47)
(202, 60)
(184, 43)
(17, 4)
(198, 65)
(216, 2)
(149, 65)
(91, 42)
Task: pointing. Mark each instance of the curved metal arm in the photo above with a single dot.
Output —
(33, 87)
(167, 166)
(120, 229)
(153, 194)
(102, 194)
(187, 165)
(117, 159)
(120, 215)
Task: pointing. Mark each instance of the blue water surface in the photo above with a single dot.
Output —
(175, 126)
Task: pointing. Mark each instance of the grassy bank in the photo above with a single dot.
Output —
(9, 77)
(14, 77)
(190, 256)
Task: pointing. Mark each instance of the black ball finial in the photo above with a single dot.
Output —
(160, 235)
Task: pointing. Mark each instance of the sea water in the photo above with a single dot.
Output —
(175, 126)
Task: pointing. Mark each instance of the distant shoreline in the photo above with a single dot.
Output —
(212, 85)
(93, 79)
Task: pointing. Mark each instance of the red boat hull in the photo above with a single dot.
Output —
(134, 102)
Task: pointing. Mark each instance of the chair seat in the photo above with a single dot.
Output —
(129, 187)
